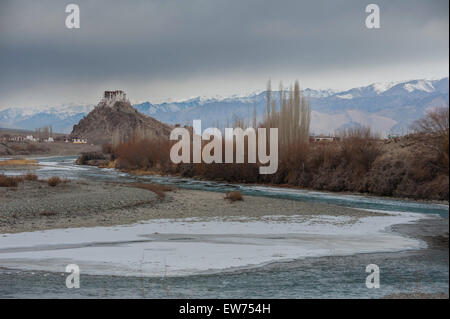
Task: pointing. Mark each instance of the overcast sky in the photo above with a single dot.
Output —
(172, 49)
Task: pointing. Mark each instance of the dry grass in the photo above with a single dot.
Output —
(9, 181)
(30, 177)
(158, 189)
(234, 196)
(13, 181)
(53, 181)
(47, 214)
(110, 164)
(18, 162)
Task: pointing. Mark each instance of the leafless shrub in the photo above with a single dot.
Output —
(360, 147)
(89, 156)
(143, 154)
(434, 122)
(445, 156)
(234, 196)
(324, 155)
(53, 181)
(433, 131)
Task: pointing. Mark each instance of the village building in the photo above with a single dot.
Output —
(77, 140)
(31, 138)
(17, 138)
(322, 138)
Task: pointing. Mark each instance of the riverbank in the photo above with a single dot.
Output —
(158, 173)
(34, 205)
(408, 271)
(414, 166)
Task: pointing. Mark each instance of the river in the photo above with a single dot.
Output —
(337, 276)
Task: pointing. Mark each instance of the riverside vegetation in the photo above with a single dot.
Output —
(414, 166)
(13, 181)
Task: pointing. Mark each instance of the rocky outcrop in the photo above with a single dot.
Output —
(115, 119)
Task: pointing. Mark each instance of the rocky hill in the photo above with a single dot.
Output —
(115, 118)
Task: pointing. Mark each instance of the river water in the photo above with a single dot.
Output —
(333, 276)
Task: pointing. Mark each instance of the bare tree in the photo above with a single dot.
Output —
(296, 115)
(268, 99)
(435, 125)
(292, 118)
(254, 116)
(434, 122)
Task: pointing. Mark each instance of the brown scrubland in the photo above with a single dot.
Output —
(53, 181)
(13, 181)
(414, 166)
(234, 196)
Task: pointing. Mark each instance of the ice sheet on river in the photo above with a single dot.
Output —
(190, 246)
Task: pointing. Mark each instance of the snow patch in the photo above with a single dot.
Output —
(421, 85)
(382, 87)
(345, 96)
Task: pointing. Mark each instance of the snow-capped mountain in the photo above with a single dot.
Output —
(386, 107)
(62, 118)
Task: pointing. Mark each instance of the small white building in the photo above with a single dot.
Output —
(31, 138)
(324, 138)
(17, 138)
(77, 140)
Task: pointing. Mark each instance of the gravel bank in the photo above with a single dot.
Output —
(37, 206)
(193, 203)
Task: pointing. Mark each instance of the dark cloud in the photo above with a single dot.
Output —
(163, 40)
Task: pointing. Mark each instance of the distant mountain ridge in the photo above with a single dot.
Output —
(387, 107)
(61, 118)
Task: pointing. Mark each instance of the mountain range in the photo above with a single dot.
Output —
(386, 107)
